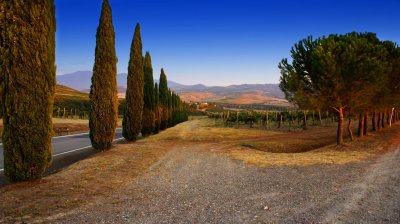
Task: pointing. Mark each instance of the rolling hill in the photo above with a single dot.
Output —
(65, 92)
(268, 94)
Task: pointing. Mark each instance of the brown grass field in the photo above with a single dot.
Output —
(246, 98)
(91, 182)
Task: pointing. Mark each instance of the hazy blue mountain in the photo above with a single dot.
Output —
(81, 81)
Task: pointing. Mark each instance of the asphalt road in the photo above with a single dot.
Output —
(67, 145)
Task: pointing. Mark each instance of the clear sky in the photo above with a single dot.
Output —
(215, 42)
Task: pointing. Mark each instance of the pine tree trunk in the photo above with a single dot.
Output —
(327, 118)
(349, 128)
(237, 119)
(373, 121)
(378, 124)
(313, 118)
(339, 137)
(388, 118)
(360, 132)
(365, 131)
(391, 117)
(305, 119)
(383, 120)
(320, 118)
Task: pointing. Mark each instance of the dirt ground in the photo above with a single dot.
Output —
(197, 173)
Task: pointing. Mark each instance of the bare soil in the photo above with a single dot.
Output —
(187, 175)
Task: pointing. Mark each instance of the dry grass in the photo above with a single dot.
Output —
(202, 129)
(93, 181)
(327, 155)
(355, 151)
(84, 183)
(70, 121)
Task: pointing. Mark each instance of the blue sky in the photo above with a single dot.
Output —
(215, 42)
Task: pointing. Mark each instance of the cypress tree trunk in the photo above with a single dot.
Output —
(365, 130)
(148, 121)
(27, 75)
(361, 125)
(103, 92)
(349, 128)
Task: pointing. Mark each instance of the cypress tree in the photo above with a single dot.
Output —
(148, 96)
(27, 70)
(103, 92)
(132, 121)
(156, 109)
(163, 95)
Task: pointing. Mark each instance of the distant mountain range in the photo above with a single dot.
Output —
(81, 80)
(235, 94)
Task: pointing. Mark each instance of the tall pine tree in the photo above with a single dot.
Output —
(148, 95)
(163, 97)
(132, 121)
(27, 70)
(103, 92)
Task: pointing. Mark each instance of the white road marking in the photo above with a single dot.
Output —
(86, 147)
(74, 150)
(64, 136)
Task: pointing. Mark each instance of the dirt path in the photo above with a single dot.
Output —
(196, 185)
(374, 197)
(186, 174)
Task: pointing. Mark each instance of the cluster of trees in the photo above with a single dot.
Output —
(27, 87)
(148, 107)
(154, 108)
(355, 75)
(274, 119)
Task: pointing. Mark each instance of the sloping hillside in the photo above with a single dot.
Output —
(65, 92)
(268, 94)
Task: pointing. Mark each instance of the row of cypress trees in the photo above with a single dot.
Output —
(27, 87)
(149, 107)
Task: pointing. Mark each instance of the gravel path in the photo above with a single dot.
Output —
(196, 185)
